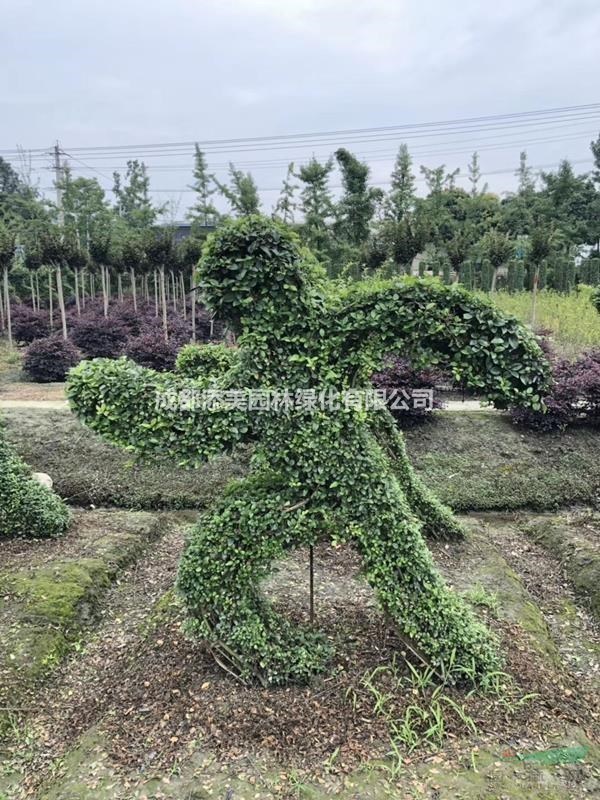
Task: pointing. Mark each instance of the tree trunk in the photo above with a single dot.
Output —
(7, 307)
(193, 308)
(155, 294)
(163, 298)
(83, 289)
(2, 319)
(146, 289)
(105, 289)
(212, 326)
(77, 303)
(174, 288)
(51, 299)
(494, 279)
(183, 298)
(119, 287)
(61, 300)
(32, 290)
(536, 279)
(133, 289)
(37, 289)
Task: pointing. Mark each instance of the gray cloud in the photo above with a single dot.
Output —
(134, 72)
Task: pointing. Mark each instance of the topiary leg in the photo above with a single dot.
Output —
(228, 553)
(437, 622)
(437, 519)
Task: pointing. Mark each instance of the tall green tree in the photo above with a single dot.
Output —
(132, 194)
(286, 202)
(356, 207)
(241, 193)
(203, 212)
(316, 204)
(401, 197)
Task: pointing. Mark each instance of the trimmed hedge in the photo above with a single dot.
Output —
(205, 360)
(27, 508)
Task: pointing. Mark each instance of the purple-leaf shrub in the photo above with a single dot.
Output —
(574, 397)
(28, 325)
(48, 360)
(98, 337)
(152, 351)
(399, 377)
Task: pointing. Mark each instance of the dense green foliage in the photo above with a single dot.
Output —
(27, 508)
(205, 360)
(323, 470)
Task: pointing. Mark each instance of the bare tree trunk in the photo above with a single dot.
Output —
(146, 289)
(193, 307)
(37, 289)
(174, 290)
(119, 287)
(7, 307)
(77, 302)
(536, 279)
(494, 279)
(51, 299)
(133, 289)
(212, 326)
(163, 298)
(61, 300)
(83, 289)
(183, 298)
(32, 290)
(2, 318)
(155, 294)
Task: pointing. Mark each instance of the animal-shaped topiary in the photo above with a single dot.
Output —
(317, 471)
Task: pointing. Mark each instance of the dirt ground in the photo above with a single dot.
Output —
(139, 711)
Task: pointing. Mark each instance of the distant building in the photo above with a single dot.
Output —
(184, 229)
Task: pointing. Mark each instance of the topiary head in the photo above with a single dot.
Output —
(253, 267)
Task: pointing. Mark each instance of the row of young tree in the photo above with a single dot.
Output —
(84, 246)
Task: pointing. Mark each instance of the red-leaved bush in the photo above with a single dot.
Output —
(28, 325)
(399, 377)
(574, 396)
(98, 337)
(48, 360)
(151, 350)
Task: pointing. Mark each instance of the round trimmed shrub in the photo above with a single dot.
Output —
(49, 360)
(150, 350)
(27, 508)
(99, 337)
(205, 360)
(29, 325)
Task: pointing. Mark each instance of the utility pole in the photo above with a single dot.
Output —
(58, 179)
(61, 222)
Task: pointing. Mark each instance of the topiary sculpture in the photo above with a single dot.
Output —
(317, 471)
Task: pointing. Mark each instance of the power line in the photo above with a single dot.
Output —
(441, 127)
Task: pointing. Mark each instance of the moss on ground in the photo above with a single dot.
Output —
(577, 552)
(88, 471)
(86, 773)
(473, 461)
(512, 602)
(480, 461)
(45, 604)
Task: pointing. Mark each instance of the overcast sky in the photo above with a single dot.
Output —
(142, 71)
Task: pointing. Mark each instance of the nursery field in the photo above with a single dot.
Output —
(571, 319)
(104, 697)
